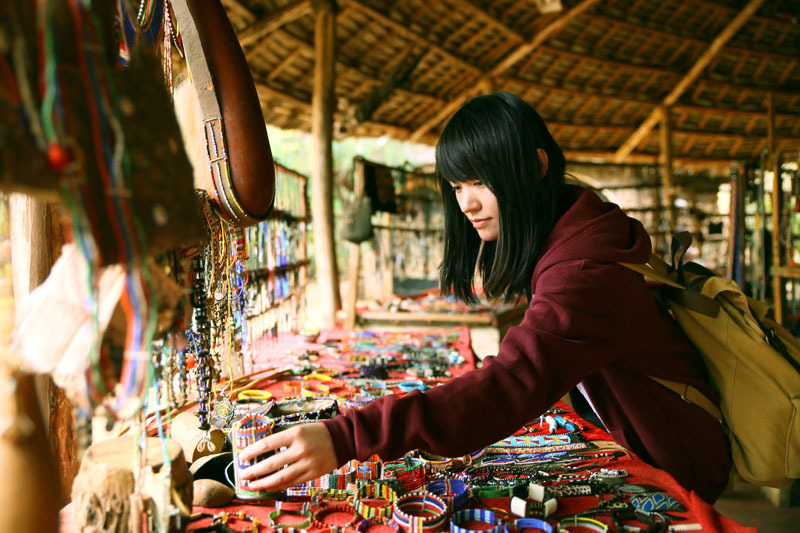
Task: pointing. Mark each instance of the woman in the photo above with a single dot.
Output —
(592, 322)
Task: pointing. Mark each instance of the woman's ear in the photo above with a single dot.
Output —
(542, 160)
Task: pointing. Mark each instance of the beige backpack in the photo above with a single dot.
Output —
(753, 362)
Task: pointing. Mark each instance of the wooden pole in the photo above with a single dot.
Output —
(322, 107)
(667, 184)
(773, 165)
(354, 266)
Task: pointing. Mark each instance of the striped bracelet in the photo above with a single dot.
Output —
(529, 523)
(420, 512)
(373, 491)
(273, 520)
(453, 491)
(474, 515)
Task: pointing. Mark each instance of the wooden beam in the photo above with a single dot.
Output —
(323, 106)
(773, 165)
(275, 20)
(284, 64)
(374, 99)
(504, 64)
(690, 77)
(788, 70)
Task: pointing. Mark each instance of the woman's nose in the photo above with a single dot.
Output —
(468, 201)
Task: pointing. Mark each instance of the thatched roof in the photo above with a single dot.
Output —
(596, 70)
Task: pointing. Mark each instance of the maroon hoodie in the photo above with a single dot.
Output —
(591, 321)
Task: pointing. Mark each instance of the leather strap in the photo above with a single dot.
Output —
(691, 395)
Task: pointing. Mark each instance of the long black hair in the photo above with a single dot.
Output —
(494, 138)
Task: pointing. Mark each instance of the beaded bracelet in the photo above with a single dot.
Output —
(453, 491)
(474, 515)
(224, 517)
(529, 509)
(291, 506)
(530, 523)
(273, 519)
(365, 525)
(408, 386)
(319, 493)
(255, 394)
(374, 491)
(408, 511)
(309, 389)
(319, 516)
(582, 521)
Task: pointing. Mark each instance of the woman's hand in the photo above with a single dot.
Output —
(309, 454)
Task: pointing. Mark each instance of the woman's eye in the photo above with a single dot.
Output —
(478, 183)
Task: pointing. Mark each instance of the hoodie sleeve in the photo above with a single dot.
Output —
(568, 332)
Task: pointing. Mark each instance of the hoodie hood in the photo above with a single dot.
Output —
(595, 230)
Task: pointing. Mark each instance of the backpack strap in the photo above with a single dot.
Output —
(691, 395)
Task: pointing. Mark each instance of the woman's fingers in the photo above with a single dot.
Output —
(267, 444)
(271, 464)
(286, 477)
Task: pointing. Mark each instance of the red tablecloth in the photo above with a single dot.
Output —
(289, 351)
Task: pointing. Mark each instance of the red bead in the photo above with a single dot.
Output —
(58, 157)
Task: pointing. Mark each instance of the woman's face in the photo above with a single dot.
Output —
(478, 203)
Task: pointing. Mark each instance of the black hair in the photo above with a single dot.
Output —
(494, 139)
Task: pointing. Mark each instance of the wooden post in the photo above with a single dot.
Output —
(667, 185)
(322, 107)
(774, 166)
(354, 261)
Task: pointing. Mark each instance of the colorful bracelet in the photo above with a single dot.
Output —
(474, 515)
(374, 491)
(453, 491)
(224, 517)
(320, 389)
(532, 509)
(319, 516)
(408, 386)
(273, 519)
(419, 512)
(582, 521)
(255, 394)
(319, 493)
(365, 525)
(291, 506)
(529, 523)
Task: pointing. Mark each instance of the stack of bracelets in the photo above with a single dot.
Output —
(367, 507)
(420, 512)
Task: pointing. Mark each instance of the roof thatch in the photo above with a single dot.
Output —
(597, 71)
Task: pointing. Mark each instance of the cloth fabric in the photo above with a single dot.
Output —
(591, 321)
